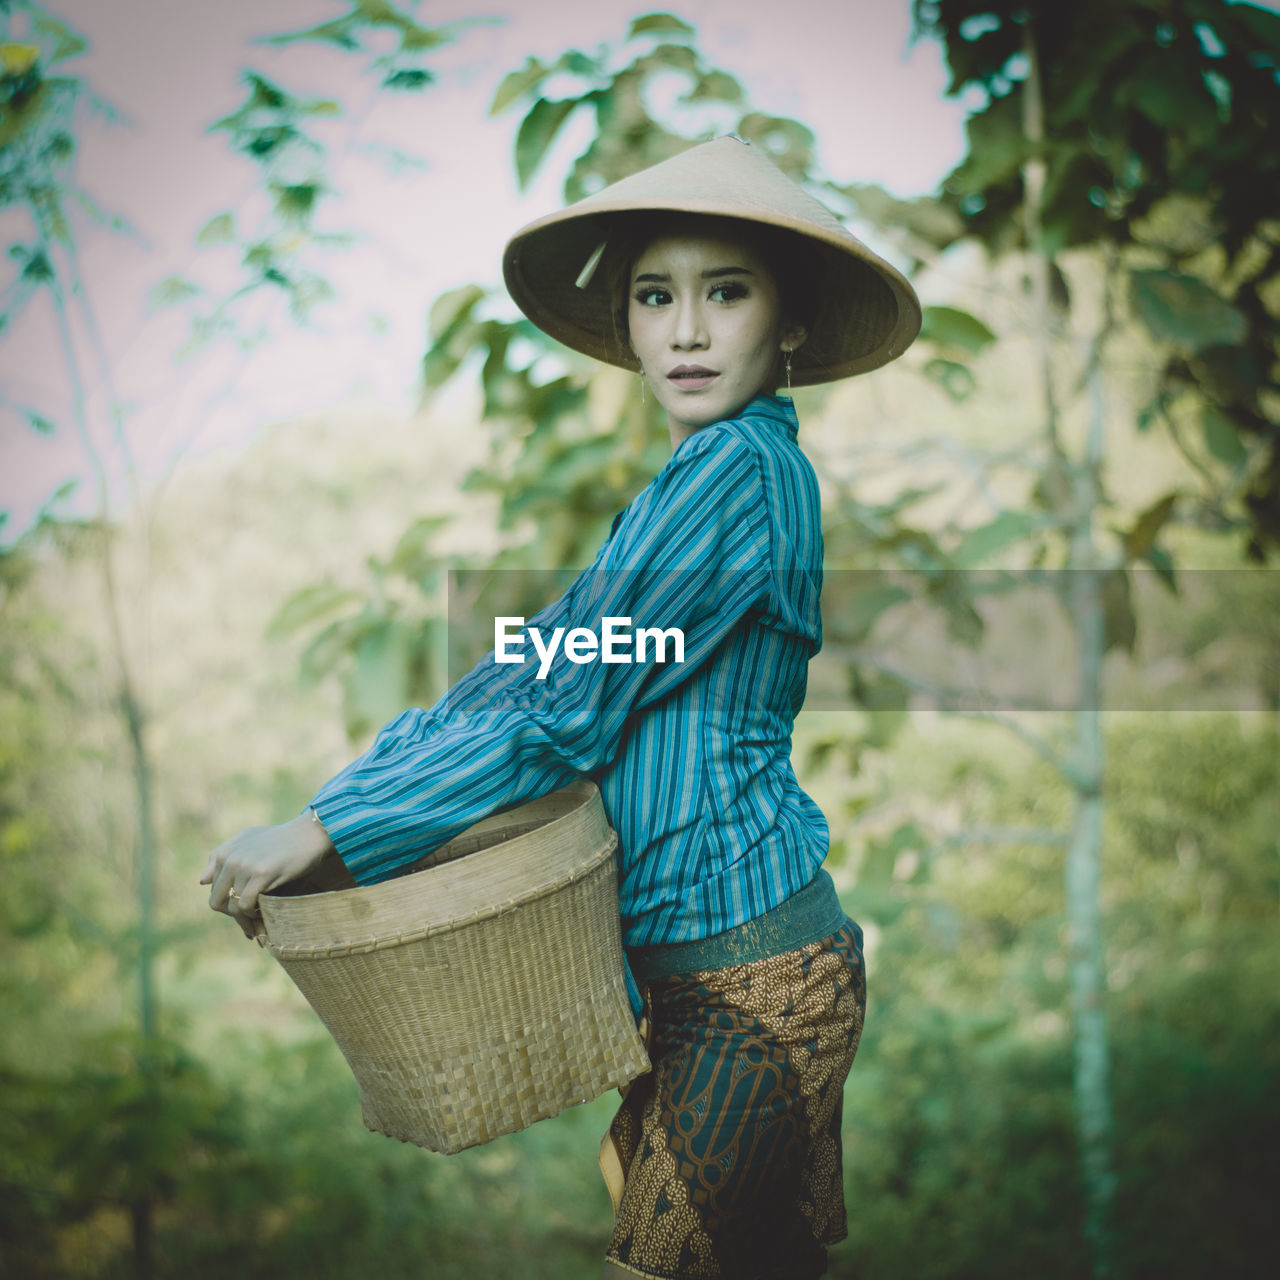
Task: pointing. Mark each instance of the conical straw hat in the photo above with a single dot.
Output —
(870, 313)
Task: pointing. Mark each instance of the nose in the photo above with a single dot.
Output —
(689, 330)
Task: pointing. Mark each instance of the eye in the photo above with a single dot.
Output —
(730, 291)
(651, 296)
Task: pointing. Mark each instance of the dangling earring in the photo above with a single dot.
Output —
(642, 386)
(788, 365)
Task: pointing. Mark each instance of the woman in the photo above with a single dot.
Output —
(716, 278)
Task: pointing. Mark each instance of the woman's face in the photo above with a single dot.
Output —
(705, 321)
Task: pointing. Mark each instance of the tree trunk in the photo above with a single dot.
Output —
(135, 719)
(140, 1215)
(1092, 1051)
(1091, 1076)
(130, 705)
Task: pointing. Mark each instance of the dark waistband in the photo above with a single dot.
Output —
(808, 916)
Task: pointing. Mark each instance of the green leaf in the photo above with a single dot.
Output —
(325, 651)
(1232, 376)
(378, 11)
(997, 149)
(715, 86)
(336, 32)
(439, 364)
(321, 107)
(881, 857)
(66, 43)
(413, 556)
(265, 95)
(955, 379)
(295, 203)
(1174, 102)
(409, 79)
(517, 83)
(865, 606)
(879, 692)
(450, 309)
(40, 423)
(1150, 412)
(880, 906)
(416, 37)
(964, 623)
(309, 606)
(578, 63)
(1185, 311)
(38, 268)
(537, 132)
(1263, 24)
(884, 725)
(61, 147)
(218, 230)
(1139, 539)
(17, 59)
(653, 23)
(949, 326)
(1221, 437)
(787, 142)
(670, 57)
(1120, 626)
(169, 292)
(307, 293)
(1162, 562)
(377, 684)
(981, 543)
(926, 218)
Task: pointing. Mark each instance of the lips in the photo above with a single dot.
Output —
(690, 377)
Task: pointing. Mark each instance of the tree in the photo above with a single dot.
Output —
(562, 466)
(39, 118)
(1132, 144)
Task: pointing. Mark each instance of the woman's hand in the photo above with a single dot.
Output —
(259, 859)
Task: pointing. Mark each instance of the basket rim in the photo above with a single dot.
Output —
(410, 891)
(382, 942)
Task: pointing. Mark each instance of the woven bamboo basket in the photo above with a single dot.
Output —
(482, 991)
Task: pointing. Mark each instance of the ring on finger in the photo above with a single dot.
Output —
(233, 895)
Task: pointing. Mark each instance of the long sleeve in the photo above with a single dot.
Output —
(692, 552)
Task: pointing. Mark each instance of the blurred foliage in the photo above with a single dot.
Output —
(1161, 127)
(958, 1140)
(958, 1128)
(246, 1149)
(275, 130)
(390, 648)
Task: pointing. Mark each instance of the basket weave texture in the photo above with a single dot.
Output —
(482, 991)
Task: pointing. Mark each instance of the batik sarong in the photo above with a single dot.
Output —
(725, 1161)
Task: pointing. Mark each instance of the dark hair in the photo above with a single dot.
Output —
(791, 262)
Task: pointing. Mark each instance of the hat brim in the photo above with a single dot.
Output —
(869, 312)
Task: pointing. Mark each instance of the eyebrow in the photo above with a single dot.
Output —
(658, 277)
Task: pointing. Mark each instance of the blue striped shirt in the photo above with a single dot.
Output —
(692, 758)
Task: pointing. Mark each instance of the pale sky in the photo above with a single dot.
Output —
(172, 67)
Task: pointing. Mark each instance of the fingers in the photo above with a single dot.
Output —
(211, 867)
(256, 861)
(232, 898)
(241, 904)
(232, 875)
(217, 859)
(233, 892)
(248, 922)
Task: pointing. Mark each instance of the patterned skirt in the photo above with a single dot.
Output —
(725, 1161)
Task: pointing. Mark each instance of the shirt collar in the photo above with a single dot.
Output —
(777, 411)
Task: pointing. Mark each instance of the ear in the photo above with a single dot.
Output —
(793, 337)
